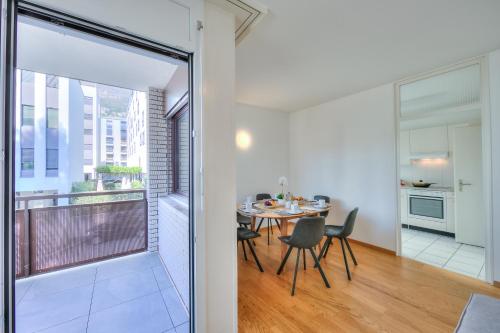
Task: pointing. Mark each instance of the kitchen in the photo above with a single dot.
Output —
(440, 149)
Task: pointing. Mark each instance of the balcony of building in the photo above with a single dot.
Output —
(82, 265)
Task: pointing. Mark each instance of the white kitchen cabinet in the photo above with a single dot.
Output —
(429, 140)
(404, 147)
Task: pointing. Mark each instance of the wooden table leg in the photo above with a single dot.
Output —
(284, 232)
(252, 223)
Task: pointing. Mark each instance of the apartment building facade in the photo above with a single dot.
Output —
(49, 131)
(113, 141)
(136, 135)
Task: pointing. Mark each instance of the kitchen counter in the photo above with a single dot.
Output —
(432, 188)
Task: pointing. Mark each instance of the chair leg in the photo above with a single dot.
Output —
(255, 255)
(244, 250)
(316, 260)
(324, 249)
(345, 259)
(350, 252)
(283, 262)
(304, 258)
(295, 272)
(330, 242)
(268, 236)
(260, 224)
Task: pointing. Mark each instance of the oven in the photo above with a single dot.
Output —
(427, 205)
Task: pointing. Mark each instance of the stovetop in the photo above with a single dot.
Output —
(431, 188)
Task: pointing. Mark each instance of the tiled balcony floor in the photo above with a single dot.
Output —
(129, 294)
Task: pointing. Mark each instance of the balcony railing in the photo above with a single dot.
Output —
(60, 236)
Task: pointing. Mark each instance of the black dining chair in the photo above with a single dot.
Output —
(266, 196)
(243, 221)
(341, 232)
(327, 200)
(245, 235)
(307, 233)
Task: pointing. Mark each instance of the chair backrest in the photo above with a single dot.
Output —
(327, 200)
(240, 218)
(349, 222)
(263, 196)
(308, 232)
(324, 197)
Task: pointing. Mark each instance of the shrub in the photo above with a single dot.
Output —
(117, 169)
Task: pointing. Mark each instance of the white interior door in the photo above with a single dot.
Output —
(469, 210)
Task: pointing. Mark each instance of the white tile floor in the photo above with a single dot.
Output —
(125, 295)
(444, 252)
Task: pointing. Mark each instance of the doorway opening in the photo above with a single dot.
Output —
(100, 167)
(443, 154)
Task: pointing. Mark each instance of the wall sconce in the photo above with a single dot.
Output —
(243, 139)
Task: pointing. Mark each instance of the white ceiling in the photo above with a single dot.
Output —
(304, 53)
(47, 48)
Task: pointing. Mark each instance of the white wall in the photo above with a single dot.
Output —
(260, 166)
(494, 74)
(346, 149)
(219, 156)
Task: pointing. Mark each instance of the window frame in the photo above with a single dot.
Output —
(23, 122)
(27, 172)
(51, 81)
(175, 172)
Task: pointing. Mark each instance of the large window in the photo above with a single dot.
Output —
(27, 162)
(27, 77)
(52, 118)
(123, 130)
(181, 151)
(52, 81)
(109, 127)
(27, 115)
(27, 122)
(52, 143)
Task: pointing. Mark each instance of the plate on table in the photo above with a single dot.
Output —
(251, 211)
(314, 208)
(288, 212)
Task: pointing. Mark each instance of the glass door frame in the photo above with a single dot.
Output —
(482, 61)
(26, 8)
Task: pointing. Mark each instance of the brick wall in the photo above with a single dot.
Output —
(159, 178)
(168, 216)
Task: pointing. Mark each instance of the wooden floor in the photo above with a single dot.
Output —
(387, 294)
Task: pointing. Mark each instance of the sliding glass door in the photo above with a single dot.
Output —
(98, 178)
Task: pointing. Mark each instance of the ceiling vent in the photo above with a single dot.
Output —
(246, 13)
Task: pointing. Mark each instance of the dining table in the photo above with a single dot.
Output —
(284, 215)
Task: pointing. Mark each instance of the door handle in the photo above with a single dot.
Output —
(461, 185)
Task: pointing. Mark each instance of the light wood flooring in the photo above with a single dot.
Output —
(386, 294)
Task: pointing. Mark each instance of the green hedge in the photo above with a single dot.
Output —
(116, 169)
(87, 186)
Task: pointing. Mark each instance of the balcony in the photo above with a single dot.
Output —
(66, 234)
(65, 282)
(129, 294)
